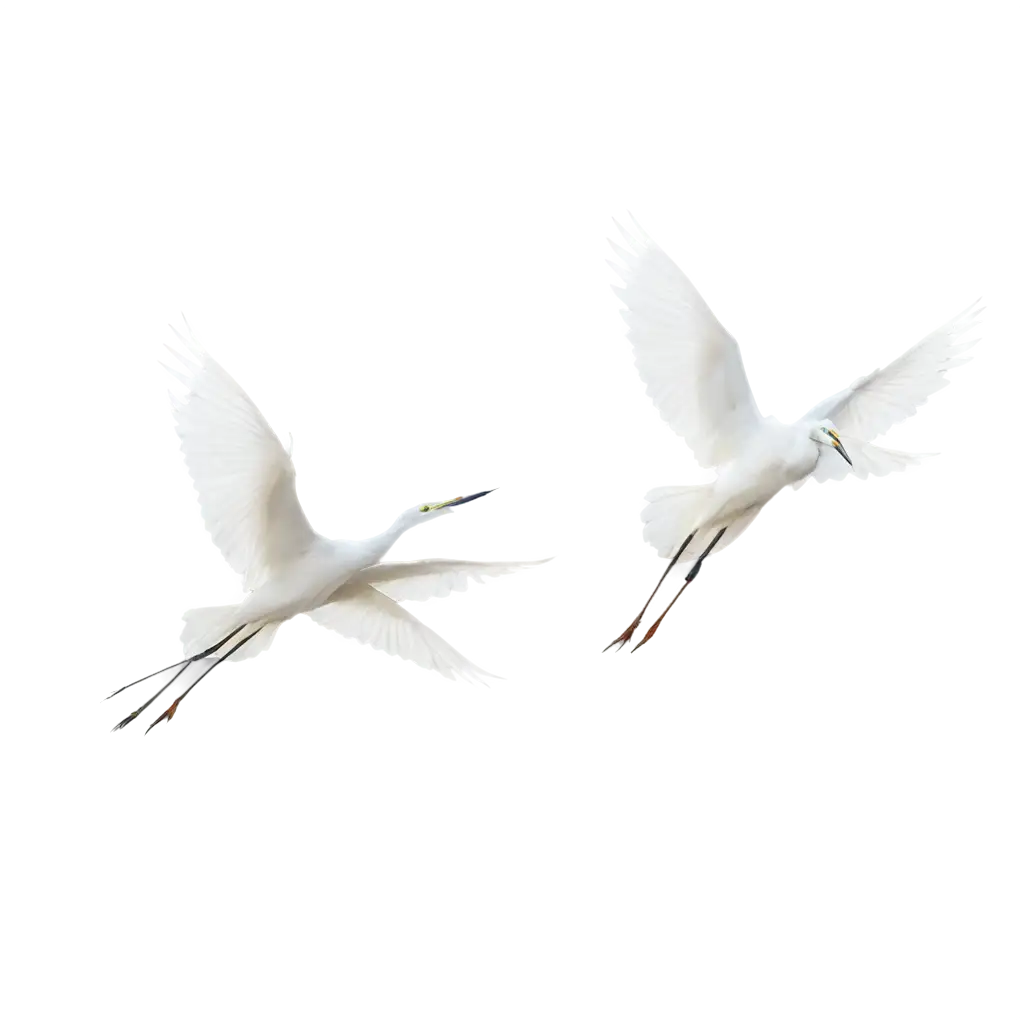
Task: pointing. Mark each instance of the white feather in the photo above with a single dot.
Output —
(694, 373)
(433, 577)
(673, 513)
(875, 403)
(690, 364)
(242, 474)
(246, 485)
(362, 613)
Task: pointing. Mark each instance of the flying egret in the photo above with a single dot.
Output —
(695, 377)
(245, 481)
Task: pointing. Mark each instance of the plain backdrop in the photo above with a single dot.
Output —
(800, 803)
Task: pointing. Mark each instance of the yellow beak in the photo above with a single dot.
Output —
(442, 505)
(838, 444)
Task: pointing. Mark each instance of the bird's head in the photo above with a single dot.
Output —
(431, 510)
(825, 433)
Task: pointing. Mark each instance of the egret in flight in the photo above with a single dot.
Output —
(245, 481)
(694, 375)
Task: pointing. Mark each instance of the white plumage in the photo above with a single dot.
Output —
(244, 478)
(875, 403)
(690, 364)
(694, 374)
(245, 481)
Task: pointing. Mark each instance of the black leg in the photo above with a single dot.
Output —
(690, 577)
(628, 632)
(169, 713)
(129, 720)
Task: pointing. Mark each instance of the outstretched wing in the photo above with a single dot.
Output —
(370, 617)
(872, 405)
(432, 577)
(243, 476)
(691, 365)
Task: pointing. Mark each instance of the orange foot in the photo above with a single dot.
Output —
(660, 619)
(626, 634)
(171, 711)
(647, 636)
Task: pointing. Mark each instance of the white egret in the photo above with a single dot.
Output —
(245, 481)
(695, 377)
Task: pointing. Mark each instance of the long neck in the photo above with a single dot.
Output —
(393, 530)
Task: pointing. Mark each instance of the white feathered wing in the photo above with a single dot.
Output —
(690, 364)
(366, 609)
(873, 404)
(242, 474)
(433, 577)
(694, 374)
(245, 481)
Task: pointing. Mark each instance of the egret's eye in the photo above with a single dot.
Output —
(424, 508)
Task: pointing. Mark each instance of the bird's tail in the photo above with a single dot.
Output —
(673, 513)
(667, 511)
(203, 625)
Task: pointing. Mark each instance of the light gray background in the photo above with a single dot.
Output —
(801, 803)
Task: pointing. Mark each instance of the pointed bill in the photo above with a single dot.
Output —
(838, 445)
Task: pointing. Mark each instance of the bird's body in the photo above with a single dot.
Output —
(327, 572)
(245, 481)
(778, 455)
(305, 582)
(694, 374)
(314, 576)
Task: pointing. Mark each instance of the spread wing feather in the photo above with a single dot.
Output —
(242, 474)
(690, 364)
